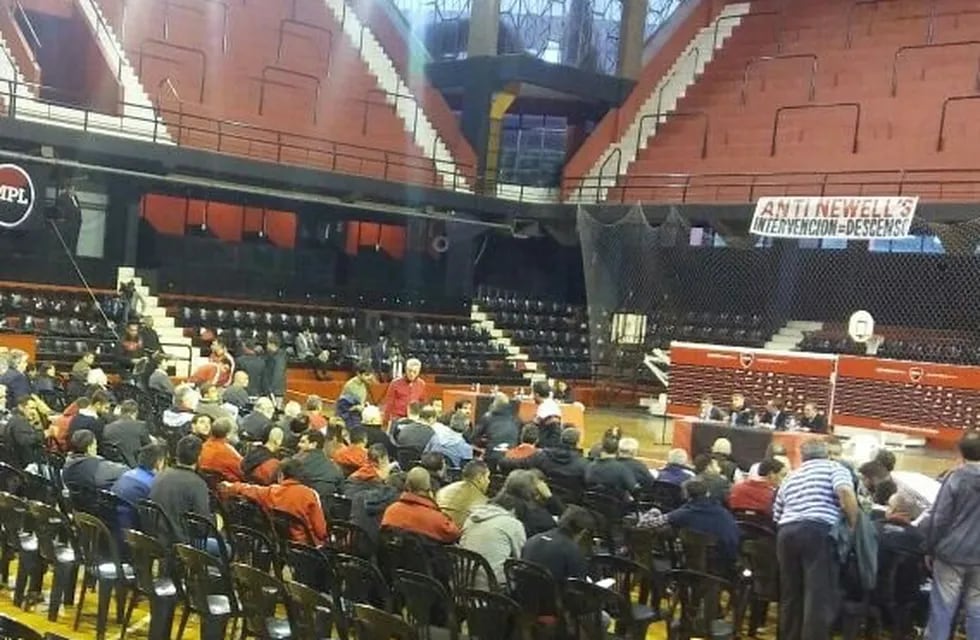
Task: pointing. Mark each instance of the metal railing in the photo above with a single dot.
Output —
(800, 107)
(941, 142)
(417, 112)
(264, 81)
(750, 64)
(916, 47)
(305, 25)
(194, 51)
(682, 114)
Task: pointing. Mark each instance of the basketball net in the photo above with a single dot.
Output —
(872, 345)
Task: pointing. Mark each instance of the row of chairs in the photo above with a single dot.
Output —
(497, 300)
(257, 318)
(661, 335)
(62, 327)
(462, 347)
(76, 305)
(508, 320)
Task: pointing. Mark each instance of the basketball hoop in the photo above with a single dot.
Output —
(871, 346)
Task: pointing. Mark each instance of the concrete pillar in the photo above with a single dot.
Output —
(484, 28)
(632, 28)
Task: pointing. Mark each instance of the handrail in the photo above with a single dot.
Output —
(27, 21)
(833, 105)
(383, 93)
(848, 36)
(617, 153)
(912, 47)
(699, 113)
(289, 72)
(775, 30)
(285, 140)
(933, 14)
(697, 61)
(789, 56)
(179, 47)
(167, 81)
(224, 20)
(298, 23)
(941, 142)
(100, 23)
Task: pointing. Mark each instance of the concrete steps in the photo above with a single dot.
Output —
(531, 369)
(172, 337)
(789, 336)
(662, 100)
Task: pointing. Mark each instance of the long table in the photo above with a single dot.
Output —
(748, 444)
(572, 415)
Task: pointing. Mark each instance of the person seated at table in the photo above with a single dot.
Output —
(721, 451)
(740, 415)
(775, 414)
(812, 420)
(706, 469)
(676, 471)
(702, 513)
(758, 492)
(708, 410)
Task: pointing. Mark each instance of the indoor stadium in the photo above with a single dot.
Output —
(489, 319)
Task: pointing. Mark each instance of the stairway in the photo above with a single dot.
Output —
(661, 102)
(531, 370)
(26, 106)
(172, 337)
(399, 95)
(789, 336)
(138, 117)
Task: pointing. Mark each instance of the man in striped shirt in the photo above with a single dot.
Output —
(808, 506)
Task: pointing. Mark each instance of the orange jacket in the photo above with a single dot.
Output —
(420, 515)
(351, 457)
(294, 498)
(219, 456)
(266, 473)
(521, 451)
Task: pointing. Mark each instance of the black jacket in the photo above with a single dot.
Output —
(254, 366)
(320, 473)
(816, 424)
(562, 462)
(611, 476)
(496, 428)
(255, 426)
(275, 373)
(640, 472)
(129, 436)
(414, 434)
(557, 553)
(82, 421)
(179, 490)
(376, 435)
(537, 517)
(237, 396)
(368, 506)
(23, 441)
(91, 471)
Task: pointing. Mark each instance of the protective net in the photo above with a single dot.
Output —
(648, 284)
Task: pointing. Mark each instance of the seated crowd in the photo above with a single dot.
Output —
(493, 487)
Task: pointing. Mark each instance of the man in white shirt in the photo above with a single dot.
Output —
(547, 416)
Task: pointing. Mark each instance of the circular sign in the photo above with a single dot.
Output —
(861, 326)
(16, 196)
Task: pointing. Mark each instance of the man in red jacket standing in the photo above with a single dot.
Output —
(403, 391)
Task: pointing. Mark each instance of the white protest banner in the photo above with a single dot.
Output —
(859, 218)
